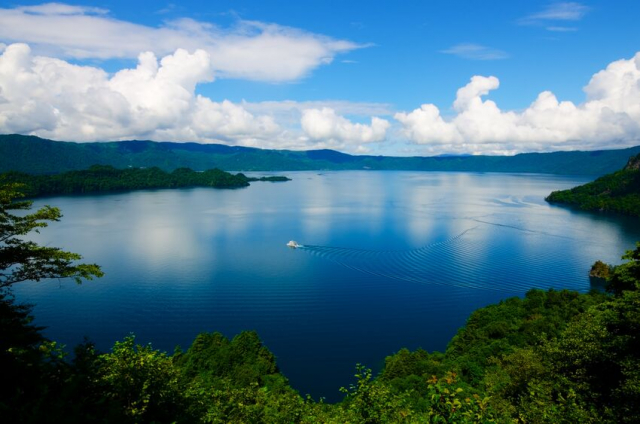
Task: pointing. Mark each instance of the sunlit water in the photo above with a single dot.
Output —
(389, 260)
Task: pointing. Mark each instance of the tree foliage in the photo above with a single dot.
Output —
(22, 260)
(626, 277)
(617, 192)
(582, 368)
(141, 381)
(103, 178)
(600, 270)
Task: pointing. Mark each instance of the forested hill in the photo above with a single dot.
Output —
(36, 155)
(105, 178)
(617, 192)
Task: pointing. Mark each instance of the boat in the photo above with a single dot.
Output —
(293, 244)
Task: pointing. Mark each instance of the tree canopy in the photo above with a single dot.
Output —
(104, 178)
(22, 259)
(618, 192)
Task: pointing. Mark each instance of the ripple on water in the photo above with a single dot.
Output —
(424, 265)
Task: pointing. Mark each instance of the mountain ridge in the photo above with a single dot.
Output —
(42, 156)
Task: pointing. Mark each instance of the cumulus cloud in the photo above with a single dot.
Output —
(55, 99)
(250, 50)
(289, 112)
(157, 100)
(609, 115)
(332, 129)
(475, 52)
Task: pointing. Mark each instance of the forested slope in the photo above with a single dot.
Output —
(618, 192)
(104, 178)
(40, 156)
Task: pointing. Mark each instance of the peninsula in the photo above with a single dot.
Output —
(105, 178)
(618, 192)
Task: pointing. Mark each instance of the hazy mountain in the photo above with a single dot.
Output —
(36, 155)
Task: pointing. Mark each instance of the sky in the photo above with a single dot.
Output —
(393, 78)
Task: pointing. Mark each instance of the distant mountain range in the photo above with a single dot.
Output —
(40, 156)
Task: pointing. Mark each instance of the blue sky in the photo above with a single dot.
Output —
(353, 76)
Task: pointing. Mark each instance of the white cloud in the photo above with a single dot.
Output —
(610, 114)
(156, 100)
(326, 126)
(561, 29)
(557, 12)
(563, 11)
(60, 9)
(289, 112)
(250, 50)
(475, 52)
(228, 121)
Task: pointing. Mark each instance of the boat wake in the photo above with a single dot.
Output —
(457, 261)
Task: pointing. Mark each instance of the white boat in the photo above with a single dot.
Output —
(293, 244)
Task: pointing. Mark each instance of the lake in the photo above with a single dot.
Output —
(388, 260)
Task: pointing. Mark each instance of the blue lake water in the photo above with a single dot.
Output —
(389, 260)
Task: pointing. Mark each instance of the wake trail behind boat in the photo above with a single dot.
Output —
(424, 265)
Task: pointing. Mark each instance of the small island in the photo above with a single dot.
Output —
(618, 192)
(105, 178)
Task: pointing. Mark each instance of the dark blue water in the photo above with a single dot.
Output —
(389, 260)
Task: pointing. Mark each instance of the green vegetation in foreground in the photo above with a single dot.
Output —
(23, 260)
(617, 192)
(40, 156)
(551, 357)
(102, 178)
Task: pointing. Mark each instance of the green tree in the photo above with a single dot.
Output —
(143, 382)
(22, 260)
(600, 354)
(600, 270)
(626, 277)
(617, 192)
(29, 364)
(372, 401)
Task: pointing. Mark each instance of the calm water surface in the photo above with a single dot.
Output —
(390, 260)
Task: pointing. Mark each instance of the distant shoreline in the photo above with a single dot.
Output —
(107, 179)
(41, 156)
